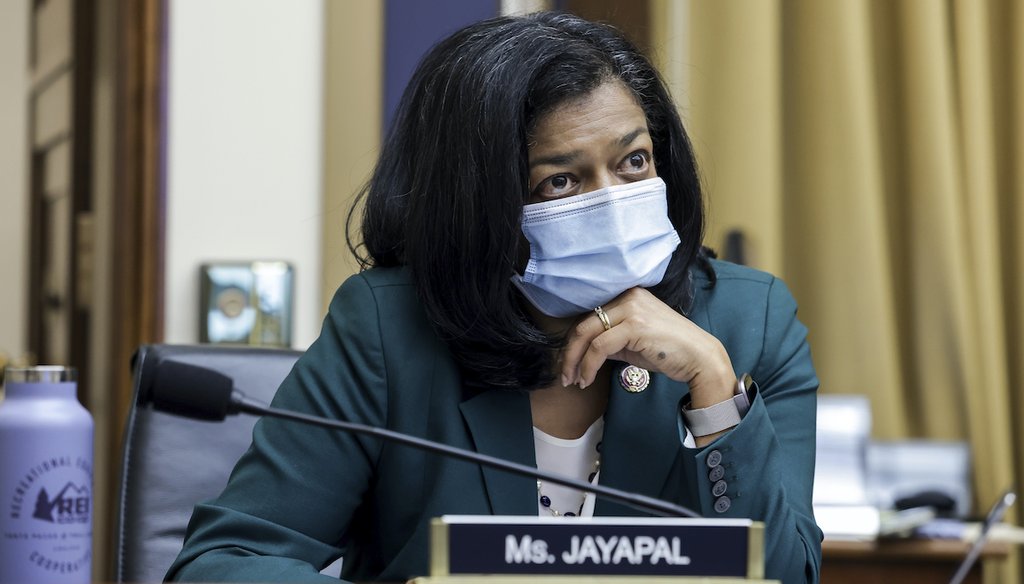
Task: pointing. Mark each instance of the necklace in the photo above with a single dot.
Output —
(545, 501)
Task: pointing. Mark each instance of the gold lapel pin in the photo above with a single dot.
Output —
(634, 379)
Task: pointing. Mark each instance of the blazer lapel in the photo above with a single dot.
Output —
(501, 425)
(641, 440)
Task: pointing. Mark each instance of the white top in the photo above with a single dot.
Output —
(573, 458)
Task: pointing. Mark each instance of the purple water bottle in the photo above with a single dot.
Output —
(45, 479)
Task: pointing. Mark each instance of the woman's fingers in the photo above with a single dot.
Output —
(583, 334)
(644, 332)
(603, 347)
(629, 328)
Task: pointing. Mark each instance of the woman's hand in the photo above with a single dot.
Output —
(647, 333)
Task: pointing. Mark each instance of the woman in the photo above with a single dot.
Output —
(538, 292)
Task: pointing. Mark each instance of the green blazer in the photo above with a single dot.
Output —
(303, 496)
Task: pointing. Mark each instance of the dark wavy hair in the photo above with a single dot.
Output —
(447, 193)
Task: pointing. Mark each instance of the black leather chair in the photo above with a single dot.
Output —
(171, 463)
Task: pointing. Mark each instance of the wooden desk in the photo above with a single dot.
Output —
(908, 561)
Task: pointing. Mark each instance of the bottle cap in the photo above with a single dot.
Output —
(40, 374)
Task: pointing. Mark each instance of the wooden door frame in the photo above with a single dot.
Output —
(140, 186)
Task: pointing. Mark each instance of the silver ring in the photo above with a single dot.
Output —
(604, 318)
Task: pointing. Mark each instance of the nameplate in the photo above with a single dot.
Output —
(471, 544)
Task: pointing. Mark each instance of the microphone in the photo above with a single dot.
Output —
(995, 515)
(196, 392)
(204, 394)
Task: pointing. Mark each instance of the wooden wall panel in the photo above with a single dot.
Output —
(633, 17)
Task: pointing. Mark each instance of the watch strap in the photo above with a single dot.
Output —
(723, 415)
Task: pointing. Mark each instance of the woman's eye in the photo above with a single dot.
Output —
(635, 162)
(556, 186)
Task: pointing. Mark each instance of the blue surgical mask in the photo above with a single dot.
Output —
(587, 249)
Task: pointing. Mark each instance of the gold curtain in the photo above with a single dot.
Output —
(872, 152)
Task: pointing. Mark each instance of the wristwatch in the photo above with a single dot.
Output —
(723, 415)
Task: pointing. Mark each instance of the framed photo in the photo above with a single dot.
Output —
(246, 303)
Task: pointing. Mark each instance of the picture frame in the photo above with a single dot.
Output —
(246, 303)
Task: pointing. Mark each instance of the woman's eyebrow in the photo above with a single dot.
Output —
(557, 159)
(566, 158)
(628, 138)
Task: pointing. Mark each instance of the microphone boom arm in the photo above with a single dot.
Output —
(243, 403)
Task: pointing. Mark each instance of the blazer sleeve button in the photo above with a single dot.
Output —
(722, 504)
(716, 473)
(720, 487)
